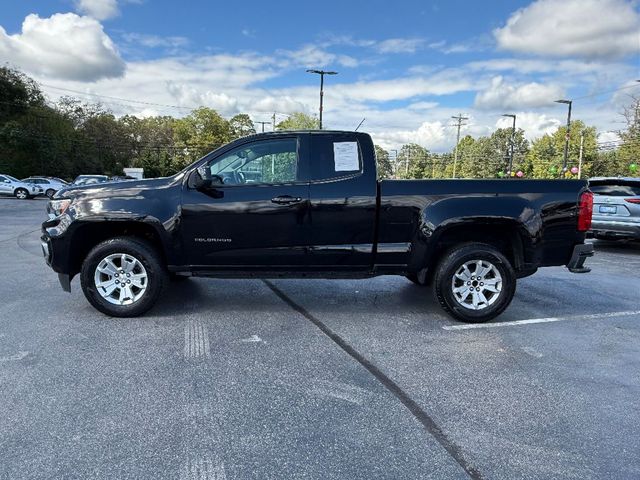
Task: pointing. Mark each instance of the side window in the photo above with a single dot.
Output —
(267, 161)
(2, 179)
(334, 156)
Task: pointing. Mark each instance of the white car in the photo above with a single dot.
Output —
(50, 185)
(14, 187)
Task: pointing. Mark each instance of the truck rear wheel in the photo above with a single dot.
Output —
(123, 277)
(474, 282)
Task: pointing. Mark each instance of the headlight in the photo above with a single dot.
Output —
(58, 207)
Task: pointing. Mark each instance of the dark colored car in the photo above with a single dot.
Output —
(309, 204)
(616, 209)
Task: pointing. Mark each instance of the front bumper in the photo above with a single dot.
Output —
(580, 254)
(54, 257)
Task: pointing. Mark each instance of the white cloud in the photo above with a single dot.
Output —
(566, 28)
(430, 135)
(63, 46)
(98, 9)
(502, 94)
(399, 45)
(153, 41)
(310, 56)
(534, 124)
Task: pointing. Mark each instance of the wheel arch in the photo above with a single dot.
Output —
(88, 234)
(506, 235)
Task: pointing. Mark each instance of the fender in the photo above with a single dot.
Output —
(473, 217)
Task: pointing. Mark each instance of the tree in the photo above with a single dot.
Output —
(629, 152)
(198, 133)
(412, 161)
(299, 121)
(546, 155)
(241, 125)
(18, 93)
(385, 168)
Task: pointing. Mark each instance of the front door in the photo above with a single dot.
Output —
(255, 216)
(6, 187)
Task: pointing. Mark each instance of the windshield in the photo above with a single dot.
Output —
(13, 179)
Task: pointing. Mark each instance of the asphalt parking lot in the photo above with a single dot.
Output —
(317, 378)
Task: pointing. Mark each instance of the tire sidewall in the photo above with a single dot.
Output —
(143, 252)
(26, 193)
(450, 266)
(50, 193)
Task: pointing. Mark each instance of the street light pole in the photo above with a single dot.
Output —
(511, 143)
(322, 73)
(567, 136)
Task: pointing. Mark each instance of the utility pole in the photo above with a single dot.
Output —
(263, 124)
(395, 162)
(273, 119)
(567, 136)
(459, 124)
(511, 142)
(322, 73)
(580, 157)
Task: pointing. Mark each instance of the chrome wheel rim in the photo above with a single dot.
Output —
(121, 279)
(21, 194)
(477, 284)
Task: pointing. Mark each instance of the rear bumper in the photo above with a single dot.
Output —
(615, 228)
(579, 256)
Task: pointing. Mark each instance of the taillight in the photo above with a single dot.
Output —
(632, 200)
(585, 210)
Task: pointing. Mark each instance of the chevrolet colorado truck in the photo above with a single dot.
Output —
(309, 204)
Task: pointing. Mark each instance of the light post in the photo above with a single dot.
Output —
(322, 73)
(511, 142)
(567, 136)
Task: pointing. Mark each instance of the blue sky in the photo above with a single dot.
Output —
(405, 66)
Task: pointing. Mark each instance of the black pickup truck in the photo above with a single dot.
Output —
(309, 204)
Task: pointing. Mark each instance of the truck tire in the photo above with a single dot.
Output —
(123, 277)
(474, 282)
(21, 193)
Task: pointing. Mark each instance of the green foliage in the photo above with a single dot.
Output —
(299, 121)
(385, 168)
(241, 125)
(629, 152)
(545, 159)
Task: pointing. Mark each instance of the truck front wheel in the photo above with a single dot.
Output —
(474, 282)
(123, 277)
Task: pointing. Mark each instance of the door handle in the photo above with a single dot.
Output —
(286, 200)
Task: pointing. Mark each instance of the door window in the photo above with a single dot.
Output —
(263, 162)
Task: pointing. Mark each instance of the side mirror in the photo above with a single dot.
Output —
(203, 180)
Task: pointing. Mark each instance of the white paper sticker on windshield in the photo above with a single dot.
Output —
(345, 156)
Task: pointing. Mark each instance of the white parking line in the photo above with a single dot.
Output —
(15, 357)
(593, 316)
(196, 339)
(203, 467)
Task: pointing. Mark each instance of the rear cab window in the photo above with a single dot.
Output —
(334, 157)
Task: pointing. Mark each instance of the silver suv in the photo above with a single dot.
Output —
(14, 187)
(50, 185)
(616, 208)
